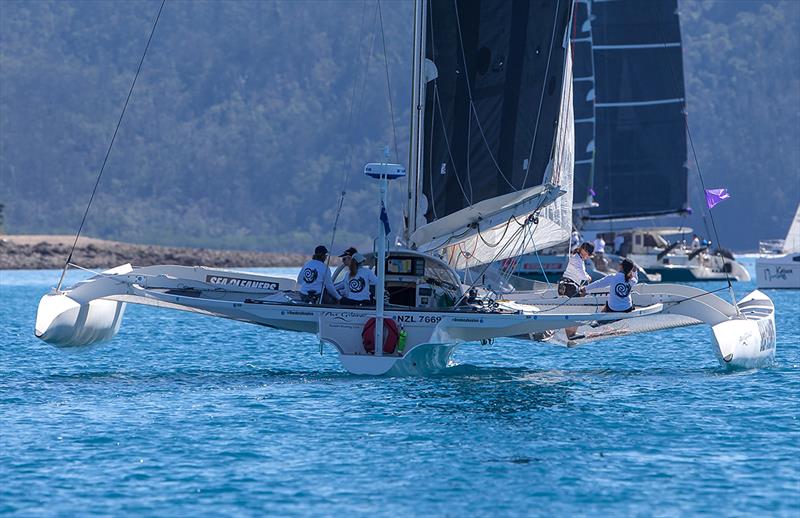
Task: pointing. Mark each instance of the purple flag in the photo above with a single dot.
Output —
(714, 196)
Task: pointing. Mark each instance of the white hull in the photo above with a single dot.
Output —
(740, 339)
(92, 312)
(782, 271)
(679, 268)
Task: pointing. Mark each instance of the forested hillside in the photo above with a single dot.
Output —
(247, 114)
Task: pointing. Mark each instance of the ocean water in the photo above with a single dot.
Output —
(184, 415)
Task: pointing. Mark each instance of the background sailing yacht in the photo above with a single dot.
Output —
(631, 142)
(779, 266)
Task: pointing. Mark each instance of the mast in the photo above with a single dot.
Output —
(417, 116)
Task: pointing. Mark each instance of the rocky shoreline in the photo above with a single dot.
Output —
(38, 252)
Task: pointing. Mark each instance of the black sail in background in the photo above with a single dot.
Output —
(584, 92)
(508, 59)
(640, 158)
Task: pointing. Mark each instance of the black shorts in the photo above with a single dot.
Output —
(569, 288)
(607, 309)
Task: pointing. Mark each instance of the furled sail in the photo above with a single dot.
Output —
(497, 140)
(640, 136)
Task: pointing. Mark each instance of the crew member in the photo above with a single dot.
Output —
(695, 242)
(619, 240)
(621, 284)
(347, 254)
(357, 282)
(574, 276)
(315, 280)
(599, 244)
(345, 257)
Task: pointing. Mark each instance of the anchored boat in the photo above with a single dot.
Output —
(779, 266)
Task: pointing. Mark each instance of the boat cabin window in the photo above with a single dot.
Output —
(415, 281)
(655, 241)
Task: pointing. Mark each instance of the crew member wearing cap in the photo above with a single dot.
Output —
(345, 256)
(314, 279)
(574, 276)
(357, 282)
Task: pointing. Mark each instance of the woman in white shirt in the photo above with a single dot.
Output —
(620, 285)
(357, 282)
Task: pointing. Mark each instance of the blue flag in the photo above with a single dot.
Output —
(385, 219)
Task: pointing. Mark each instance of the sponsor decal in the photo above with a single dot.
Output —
(310, 275)
(241, 283)
(297, 313)
(766, 328)
(780, 273)
(342, 314)
(474, 320)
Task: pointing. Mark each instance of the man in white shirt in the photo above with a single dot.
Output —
(599, 244)
(315, 280)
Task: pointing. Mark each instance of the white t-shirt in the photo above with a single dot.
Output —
(576, 269)
(619, 294)
(356, 287)
(313, 275)
(599, 245)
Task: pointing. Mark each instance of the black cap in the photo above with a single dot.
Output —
(349, 252)
(320, 250)
(588, 247)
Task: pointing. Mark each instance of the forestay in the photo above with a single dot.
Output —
(498, 130)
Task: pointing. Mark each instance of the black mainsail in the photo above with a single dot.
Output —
(496, 138)
(639, 151)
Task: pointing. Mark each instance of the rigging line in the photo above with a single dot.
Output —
(541, 97)
(388, 82)
(510, 240)
(438, 102)
(471, 102)
(488, 264)
(469, 155)
(432, 200)
(349, 156)
(700, 173)
(110, 145)
(505, 230)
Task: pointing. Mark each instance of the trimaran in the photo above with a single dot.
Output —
(490, 178)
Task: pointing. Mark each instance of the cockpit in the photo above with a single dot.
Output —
(415, 280)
